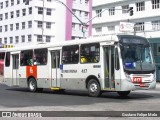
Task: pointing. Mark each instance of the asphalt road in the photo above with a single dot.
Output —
(20, 99)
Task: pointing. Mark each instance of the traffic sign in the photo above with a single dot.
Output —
(126, 27)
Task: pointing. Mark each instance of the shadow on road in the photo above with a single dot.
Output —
(108, 95)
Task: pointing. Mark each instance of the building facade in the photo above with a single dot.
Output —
(42, 21)
(146, 20)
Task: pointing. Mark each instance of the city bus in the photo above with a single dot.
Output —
(115, 63)
(2, 55)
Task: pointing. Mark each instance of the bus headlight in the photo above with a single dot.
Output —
(128, 78)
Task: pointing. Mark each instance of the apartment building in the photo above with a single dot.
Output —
(146, 20)
(43, 21)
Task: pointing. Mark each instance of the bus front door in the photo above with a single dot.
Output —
(109, 67)
(55, 70)
(15, 68)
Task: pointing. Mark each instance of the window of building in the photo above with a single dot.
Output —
(156, 25)
(17, 39)
(73, 26)
(30, 10)
(74, 1)
(0, 28)
(6, 28)
(11, 27)
(6, 15)
(7, 3)
(26, 57)
(86, 14)
(81, 1)
(111, 11)
(90, 53)
(49, 11)
(80, 13)
(12, 2)
(40, 10)
(1, 5)
(70, 54)
(23, 25)
(18, 1)
(12, 14)
(98, 29)
(29, 24)
(1, 17)
(29, 38)
(125, 9)
(39, 24)
(5, 40)
(40, 56)
(139, 26)
(11, 40)
(17, 26)
(140, 6)
(99, 13)
(0, 43)
(17, 13)
(73, 37)
(39, 38)
(23, 12)
(74, 11)
(111, 29)
(48, 25)
(86, 2)
(80, 27)
(23, 38)
(48, 38)
(155, 4)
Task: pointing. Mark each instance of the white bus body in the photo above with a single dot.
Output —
(104, 70)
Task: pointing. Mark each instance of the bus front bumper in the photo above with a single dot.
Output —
(129, 86)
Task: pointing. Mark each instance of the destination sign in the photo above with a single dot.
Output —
(134, 41)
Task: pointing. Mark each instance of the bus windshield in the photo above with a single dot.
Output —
(137, 57)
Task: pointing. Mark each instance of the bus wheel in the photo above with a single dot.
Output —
(32, 85)
(123, 93)
(93, 88)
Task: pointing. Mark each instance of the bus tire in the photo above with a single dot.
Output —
(93, 88)
(123, 93)
(32, 84)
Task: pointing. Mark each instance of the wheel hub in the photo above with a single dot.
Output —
(93, 88)
(32, 85)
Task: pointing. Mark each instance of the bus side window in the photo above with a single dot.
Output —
(40, 56)
(70, 54)
(7, 60)
(26, 57)
(90, 53)
(116, 60)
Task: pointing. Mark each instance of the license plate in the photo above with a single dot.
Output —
(142, 85)
(137, 80)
